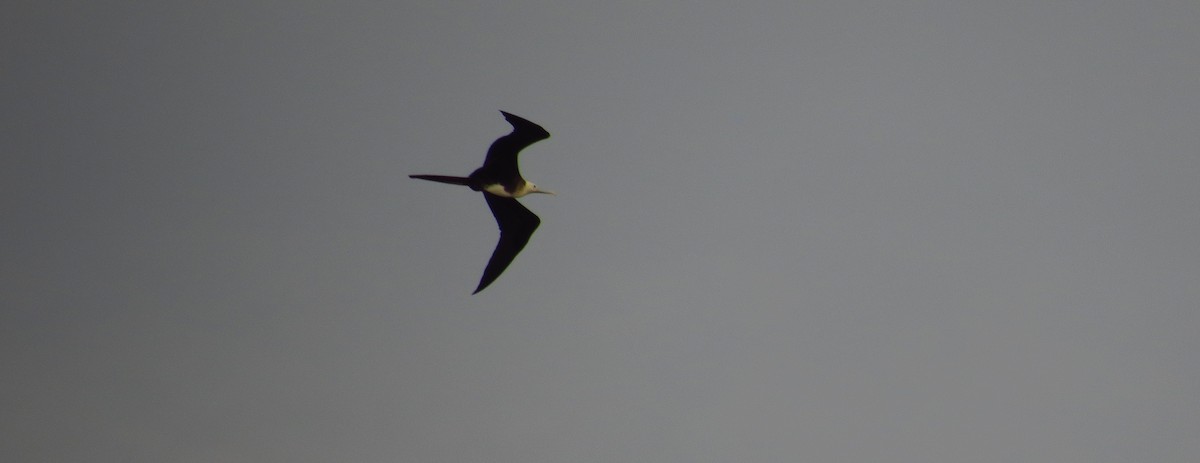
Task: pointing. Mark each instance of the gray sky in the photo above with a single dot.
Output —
(869, 231)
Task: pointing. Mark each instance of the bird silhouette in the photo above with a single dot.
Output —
(501, 183)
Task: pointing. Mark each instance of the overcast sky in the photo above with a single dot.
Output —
(858, 231)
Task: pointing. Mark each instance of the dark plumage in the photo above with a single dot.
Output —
(501, 183)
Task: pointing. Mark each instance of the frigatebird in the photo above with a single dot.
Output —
(501, 183)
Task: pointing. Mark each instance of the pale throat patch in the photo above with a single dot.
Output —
(498, 190)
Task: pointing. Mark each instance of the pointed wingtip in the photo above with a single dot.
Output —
(528, 128)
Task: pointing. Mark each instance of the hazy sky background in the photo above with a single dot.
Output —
(858, 231)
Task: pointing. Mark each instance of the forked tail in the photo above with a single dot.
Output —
(444, 179)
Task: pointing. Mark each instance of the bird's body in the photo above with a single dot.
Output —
(501, 183)
(500, 190)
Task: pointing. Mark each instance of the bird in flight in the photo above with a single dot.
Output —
(501, 183)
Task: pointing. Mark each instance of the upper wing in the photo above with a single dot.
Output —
(501, 160)
(516, 226)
